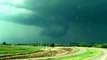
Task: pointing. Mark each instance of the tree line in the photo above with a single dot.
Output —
(64, 45)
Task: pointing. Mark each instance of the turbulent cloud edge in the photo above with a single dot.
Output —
(12, 10)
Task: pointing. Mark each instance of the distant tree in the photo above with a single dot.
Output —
(4, 43)
(104, 45)
(52, 45)
(98, 45)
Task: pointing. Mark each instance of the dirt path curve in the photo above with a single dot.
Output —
(81, 50)
(102, 56)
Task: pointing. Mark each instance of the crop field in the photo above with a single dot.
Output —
(8, 51)
(16, 49)
(25, 52)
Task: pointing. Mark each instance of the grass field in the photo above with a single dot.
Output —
(6, 50)
(89, 53)
(11, 49)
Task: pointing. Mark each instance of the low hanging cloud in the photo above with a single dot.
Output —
(55, 31)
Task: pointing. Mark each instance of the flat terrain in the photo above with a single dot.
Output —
(82, 54)
(26, 52)
(17, 51)
(11, 49)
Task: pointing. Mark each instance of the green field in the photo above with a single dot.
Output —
(89, 53)
(11, 49)
(25, 49)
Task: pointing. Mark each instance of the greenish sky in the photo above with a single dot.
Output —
(60, 21)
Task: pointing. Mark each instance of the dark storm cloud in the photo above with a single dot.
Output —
(63, 12)
(55, 31)
(65, 18)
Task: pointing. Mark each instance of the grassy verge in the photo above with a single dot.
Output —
(89, 53)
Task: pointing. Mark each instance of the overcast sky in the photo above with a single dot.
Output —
(60, 21)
